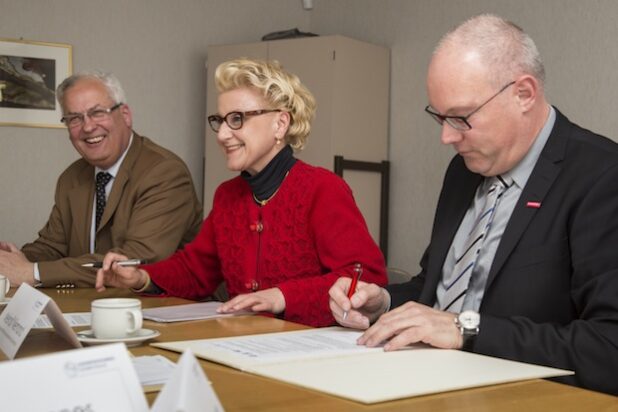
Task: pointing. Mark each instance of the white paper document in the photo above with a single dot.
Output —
(328, 360)
(188, 390)
(242, 352)
(94, 379)
(191, 311)
(153, 370)
(73, 319)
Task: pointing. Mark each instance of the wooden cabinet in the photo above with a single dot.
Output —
(350, 81)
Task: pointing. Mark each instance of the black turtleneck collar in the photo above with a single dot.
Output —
(265, 183)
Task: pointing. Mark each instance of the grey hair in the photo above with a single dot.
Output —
(507, 50)
(109, 80)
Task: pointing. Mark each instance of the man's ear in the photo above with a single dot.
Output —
(125, 110)
(527, 89)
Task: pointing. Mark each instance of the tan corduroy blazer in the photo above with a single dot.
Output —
(152, 211)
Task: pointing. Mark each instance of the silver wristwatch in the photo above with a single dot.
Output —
(468, 323)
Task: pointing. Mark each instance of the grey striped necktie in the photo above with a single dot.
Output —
(102, 179)
(456, 283)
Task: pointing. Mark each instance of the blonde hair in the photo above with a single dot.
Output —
(281, 89)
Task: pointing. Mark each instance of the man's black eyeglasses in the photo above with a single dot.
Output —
(234, 120)
(73, 120)
(461, 122)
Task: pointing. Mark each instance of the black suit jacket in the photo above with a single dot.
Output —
(552, 293)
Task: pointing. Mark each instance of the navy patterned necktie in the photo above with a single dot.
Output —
(456, 285)
(102, 179)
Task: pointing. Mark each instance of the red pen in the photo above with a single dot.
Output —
(358, 272)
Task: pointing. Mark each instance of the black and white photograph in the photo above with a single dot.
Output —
(29, 74)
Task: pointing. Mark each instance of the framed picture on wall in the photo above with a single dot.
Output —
(30, 71)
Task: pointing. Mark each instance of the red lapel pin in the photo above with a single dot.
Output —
(534, 205)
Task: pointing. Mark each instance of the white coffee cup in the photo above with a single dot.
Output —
(5, 285)
(116, 318)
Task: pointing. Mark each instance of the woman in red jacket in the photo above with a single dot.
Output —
(280, 234)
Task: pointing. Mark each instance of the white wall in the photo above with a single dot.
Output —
(157, 49)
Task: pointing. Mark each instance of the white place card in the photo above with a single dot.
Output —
(100, 378)
(73, 319)
(21, 314)
(188, 390)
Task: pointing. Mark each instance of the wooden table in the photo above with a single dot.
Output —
(240, 391)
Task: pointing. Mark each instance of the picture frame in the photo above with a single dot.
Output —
(30, 72)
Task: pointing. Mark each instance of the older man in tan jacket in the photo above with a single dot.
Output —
(142, 204)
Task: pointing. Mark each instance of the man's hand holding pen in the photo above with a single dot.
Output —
(357, 309)
(407, 324)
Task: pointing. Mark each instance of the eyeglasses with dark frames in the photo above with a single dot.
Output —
(73, 120)
(235, 120)
(461, 123)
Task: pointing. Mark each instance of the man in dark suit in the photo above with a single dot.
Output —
(145, 205)
(523, 258)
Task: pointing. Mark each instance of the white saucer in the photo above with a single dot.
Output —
(87, 337)
(5, 301)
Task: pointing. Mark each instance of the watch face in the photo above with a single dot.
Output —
(469, 319)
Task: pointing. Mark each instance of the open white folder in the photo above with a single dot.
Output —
(330, 361)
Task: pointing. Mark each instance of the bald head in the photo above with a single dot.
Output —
(485, 86)
(503, 48)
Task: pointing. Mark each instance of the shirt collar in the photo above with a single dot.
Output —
(114, 169)
(522, 171)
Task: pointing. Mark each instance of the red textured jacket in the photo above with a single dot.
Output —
(307, 236)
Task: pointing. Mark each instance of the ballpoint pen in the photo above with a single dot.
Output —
(358, 272)
(130, 262)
